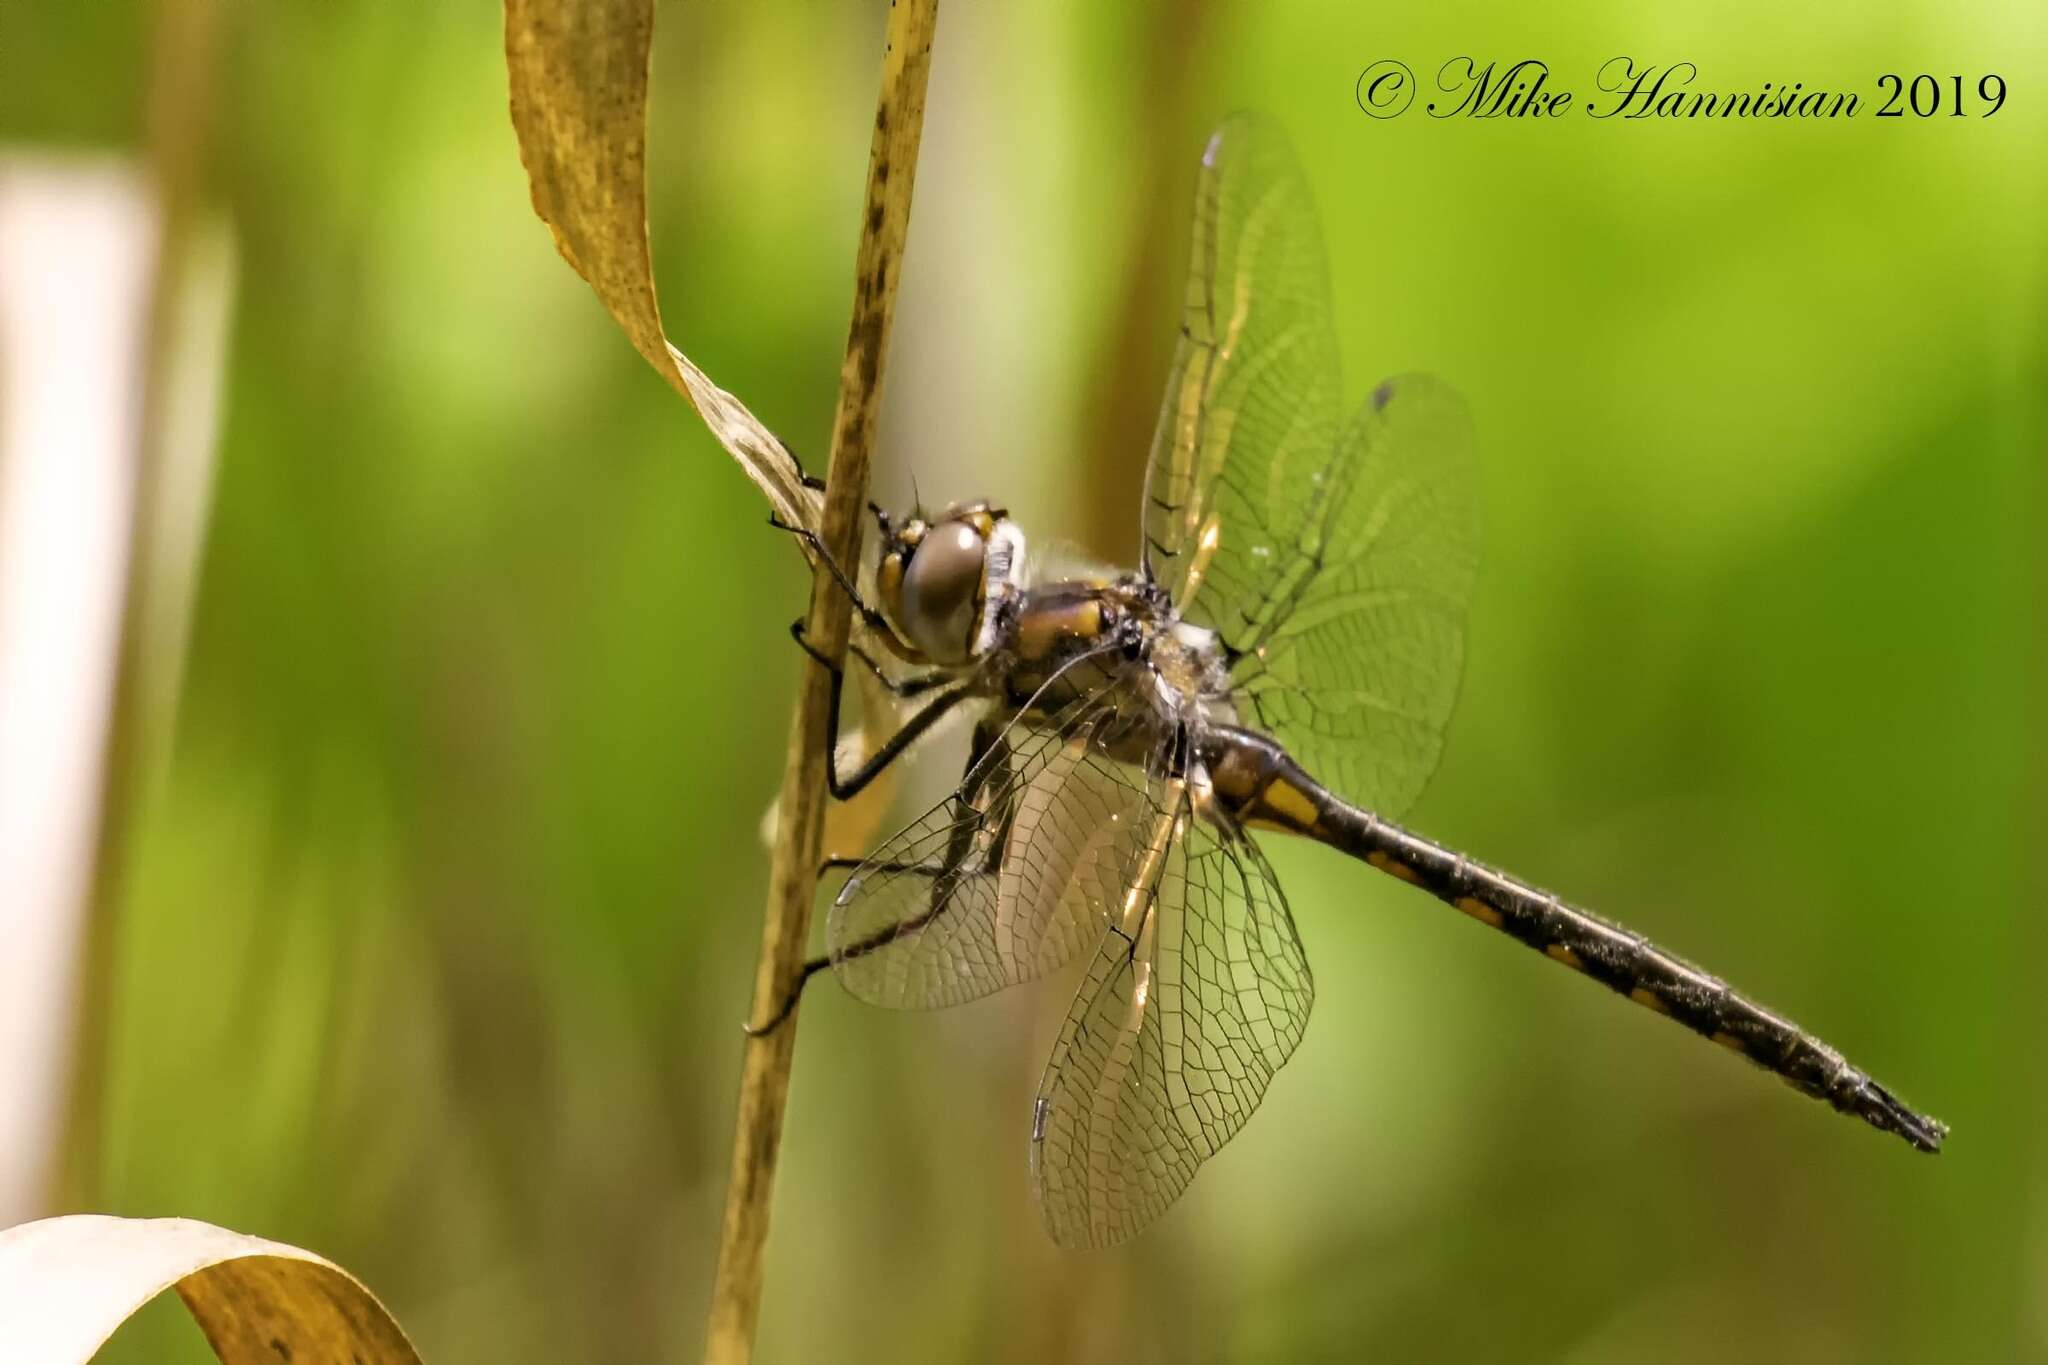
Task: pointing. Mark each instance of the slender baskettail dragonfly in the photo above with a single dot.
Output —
(1285, 658)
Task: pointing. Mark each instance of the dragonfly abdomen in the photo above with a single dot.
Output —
(1261, 786)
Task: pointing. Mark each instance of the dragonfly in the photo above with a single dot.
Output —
(1284, 659)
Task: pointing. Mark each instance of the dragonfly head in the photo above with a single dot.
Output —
(940, 579)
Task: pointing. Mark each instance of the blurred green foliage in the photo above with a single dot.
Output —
(441, 927)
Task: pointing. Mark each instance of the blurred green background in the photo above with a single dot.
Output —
(440, 927)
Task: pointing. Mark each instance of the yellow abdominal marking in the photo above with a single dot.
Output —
(1290, 803)
(1386, 864)
(1480, 910)
(1731, 1042)
(1649, 1000)
(1557, 952)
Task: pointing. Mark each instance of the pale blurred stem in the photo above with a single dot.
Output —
(1120, 403)
(183, 47)
(793, 879)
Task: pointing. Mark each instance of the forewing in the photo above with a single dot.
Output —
(1337, 565)
(1251, 407)
(1353, 660)
(1010, 877)
(1192, 1003)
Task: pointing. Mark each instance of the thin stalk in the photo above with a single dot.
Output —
(1120, 404)
(183, 52)
(793, 879)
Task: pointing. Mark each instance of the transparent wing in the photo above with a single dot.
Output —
(1012, 876)
(1251, 408)
(1197, 996)
(1337, 563)
(1353, 658)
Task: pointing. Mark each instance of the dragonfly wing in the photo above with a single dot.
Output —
(1251, 409)
(1010, 877)
(1353, 661)
(1345, 554)
(1192, 1002)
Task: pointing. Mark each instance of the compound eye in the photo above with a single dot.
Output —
(942, 591)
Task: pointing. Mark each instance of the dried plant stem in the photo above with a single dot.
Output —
(793, 880)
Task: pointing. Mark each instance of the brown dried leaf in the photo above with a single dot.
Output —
(578, 71)
(67, 1283)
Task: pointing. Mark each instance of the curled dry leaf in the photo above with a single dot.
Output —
(579, 107)
(578, 72)
(67, 1283)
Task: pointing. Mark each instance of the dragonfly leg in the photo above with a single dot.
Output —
(817, 485)
(881, 938)
(988, 770)
(788, 1005)
(899, 687)
(873, 619)
(846, 787)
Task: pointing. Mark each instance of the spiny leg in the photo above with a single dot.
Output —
(907, 734)
(915, 685)
(872, 618)
(817, 485)
(845, 788)
(988, 739)
(812, 966)
(881, 938)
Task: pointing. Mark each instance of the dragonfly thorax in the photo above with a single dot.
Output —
(1190, 672)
